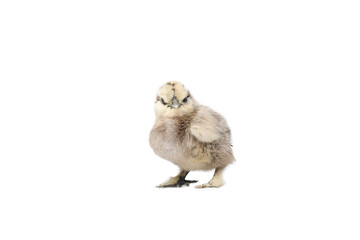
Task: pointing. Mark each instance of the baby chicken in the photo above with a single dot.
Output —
(190, 135)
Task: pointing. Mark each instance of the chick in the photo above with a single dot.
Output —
(190, 135)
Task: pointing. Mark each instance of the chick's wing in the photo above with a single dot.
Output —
(205, 125)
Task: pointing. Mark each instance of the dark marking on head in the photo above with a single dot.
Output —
(186, 98)
(163, 102)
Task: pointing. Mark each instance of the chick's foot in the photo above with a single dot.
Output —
(177, 181)
(214, 183)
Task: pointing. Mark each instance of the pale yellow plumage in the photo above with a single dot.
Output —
(190, 135)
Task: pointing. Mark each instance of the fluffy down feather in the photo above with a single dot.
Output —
(190, 135)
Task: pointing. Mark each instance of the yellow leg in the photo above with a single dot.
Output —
(216, 181)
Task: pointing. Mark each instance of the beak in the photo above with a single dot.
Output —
(174, 103)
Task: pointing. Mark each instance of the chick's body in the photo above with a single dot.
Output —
(190, 135)
(173, 138)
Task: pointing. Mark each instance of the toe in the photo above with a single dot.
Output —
(191, 181)
(166, 185)
(208, 185)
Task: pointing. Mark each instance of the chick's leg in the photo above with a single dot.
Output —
(177, 181)
(216, 181)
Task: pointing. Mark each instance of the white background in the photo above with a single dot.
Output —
(78, 80)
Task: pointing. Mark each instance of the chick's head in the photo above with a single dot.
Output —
(173, 99)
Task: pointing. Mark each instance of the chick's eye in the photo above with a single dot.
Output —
(162, 101)
(185, 99)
